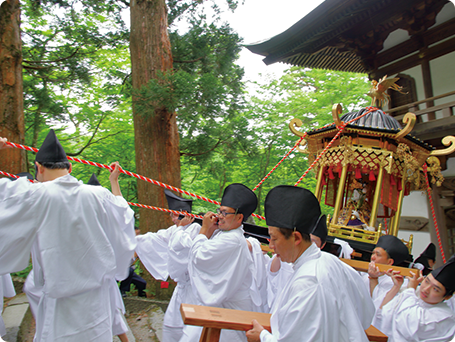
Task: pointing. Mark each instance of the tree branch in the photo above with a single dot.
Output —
(126, 3)
(125, 78)
(202, 153)
(94, 142)
(91, 138)
(35, 68)
(54, 61)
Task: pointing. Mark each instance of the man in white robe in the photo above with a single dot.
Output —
(81, 245)
(324, 299)
(164, 254)
(422, 314)
(389, 250)
(221, 267)
(279, 273)
(152, 247)
(178, 256)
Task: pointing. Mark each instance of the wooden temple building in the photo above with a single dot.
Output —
(410, 39)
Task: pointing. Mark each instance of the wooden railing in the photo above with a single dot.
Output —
(447, 108)
(432, 122)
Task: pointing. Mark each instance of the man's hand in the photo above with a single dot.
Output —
(373, 270)
(113, 177)
(115, 171)
(209, 224)
(185, 221)
(253, 334)
(397, 278)
(415, 280)
(3, 143)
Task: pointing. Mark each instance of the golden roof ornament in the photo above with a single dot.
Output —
(378, 90)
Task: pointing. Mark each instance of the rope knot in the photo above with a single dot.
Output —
(342, 126)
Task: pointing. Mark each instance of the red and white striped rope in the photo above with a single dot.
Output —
(131, 174)
(164, 210)
(11, 175)
(282, 159)
(130, 203)
(430, 197)
(170, 187)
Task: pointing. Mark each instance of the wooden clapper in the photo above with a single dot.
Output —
(215, 319)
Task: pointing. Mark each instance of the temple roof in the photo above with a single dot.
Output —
(346, 35)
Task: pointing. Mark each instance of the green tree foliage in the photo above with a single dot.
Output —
(204, 88)
(76, 78)
(75, 59)
(300, 93)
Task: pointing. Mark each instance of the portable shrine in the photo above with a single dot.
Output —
(366, 162)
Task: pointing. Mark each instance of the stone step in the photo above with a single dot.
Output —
(13, 316)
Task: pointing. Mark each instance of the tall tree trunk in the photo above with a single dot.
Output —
(156, 136)
(11, 96)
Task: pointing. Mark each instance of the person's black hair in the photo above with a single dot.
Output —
(57, 165)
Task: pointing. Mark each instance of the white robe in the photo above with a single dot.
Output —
(320, 302)
(6, 290)
(179, 247)
(407, 318)
(260, 273)
(152, 250)
(34, 294)
(276, 281)
(451, 303)
(84, 238)
(118, 309)
(165, 253)
(221, 271)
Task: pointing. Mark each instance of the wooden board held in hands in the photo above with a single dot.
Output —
(215, 319)
(362, 266)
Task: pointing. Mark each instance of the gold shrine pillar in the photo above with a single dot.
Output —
(319, 186)
(377, 196)
(396, 221)
(340, 192)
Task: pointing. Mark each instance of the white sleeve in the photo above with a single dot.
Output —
(6, 286)
(120, 232)
(179, 249)
(265, 336)
(258, 288)
(152, 250)
(18, 226)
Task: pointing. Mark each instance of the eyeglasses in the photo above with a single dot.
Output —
(224, 213)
